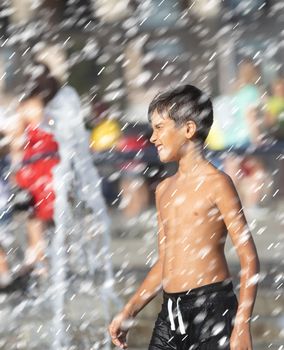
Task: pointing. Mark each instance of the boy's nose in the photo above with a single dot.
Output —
(153, 138)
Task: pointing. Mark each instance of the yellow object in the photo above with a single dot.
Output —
(215, 140)
(105, 135)
(275, 106)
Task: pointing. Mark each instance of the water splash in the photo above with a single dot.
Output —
(76, 167)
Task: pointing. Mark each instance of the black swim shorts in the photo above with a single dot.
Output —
(201, 318)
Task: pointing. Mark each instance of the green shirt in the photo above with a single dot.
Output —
(246, 98)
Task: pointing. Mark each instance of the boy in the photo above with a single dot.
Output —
(195, 209)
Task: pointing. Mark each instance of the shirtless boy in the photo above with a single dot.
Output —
(196, 209)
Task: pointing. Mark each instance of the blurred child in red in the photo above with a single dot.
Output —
(34, 151)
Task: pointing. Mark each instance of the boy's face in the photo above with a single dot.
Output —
(167, 137)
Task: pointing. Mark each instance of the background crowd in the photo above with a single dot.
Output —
(248, 122)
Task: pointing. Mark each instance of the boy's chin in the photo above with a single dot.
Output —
(165, 159)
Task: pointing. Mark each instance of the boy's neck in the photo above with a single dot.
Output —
(193, 162)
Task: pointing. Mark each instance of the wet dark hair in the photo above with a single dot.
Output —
(183, 104)
(41, 83)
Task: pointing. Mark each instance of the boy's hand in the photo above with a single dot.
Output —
(119, 328)
(241, 337)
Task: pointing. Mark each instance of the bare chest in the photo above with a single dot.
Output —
(186, 205)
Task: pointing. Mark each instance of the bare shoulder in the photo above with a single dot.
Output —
(162, 186)
(220, 185)
(220, 179)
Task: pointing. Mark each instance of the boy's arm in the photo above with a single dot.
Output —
(230, 208)
(152, 284)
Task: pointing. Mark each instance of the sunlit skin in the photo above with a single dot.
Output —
(195, 208)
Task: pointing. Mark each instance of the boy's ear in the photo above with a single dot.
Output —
(190, 129)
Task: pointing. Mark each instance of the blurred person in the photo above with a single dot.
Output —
(106, 135)
(197, 209)
(133, 186)
(34, 154)
(9, 281)
(275, 109)
(5, 213)
(5, 275)
(106, 131)
(246, 100)
(246, 130)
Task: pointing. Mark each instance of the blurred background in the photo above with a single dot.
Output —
(89, 255)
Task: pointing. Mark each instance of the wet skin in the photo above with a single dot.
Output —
(195, 207)
(192, 233)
